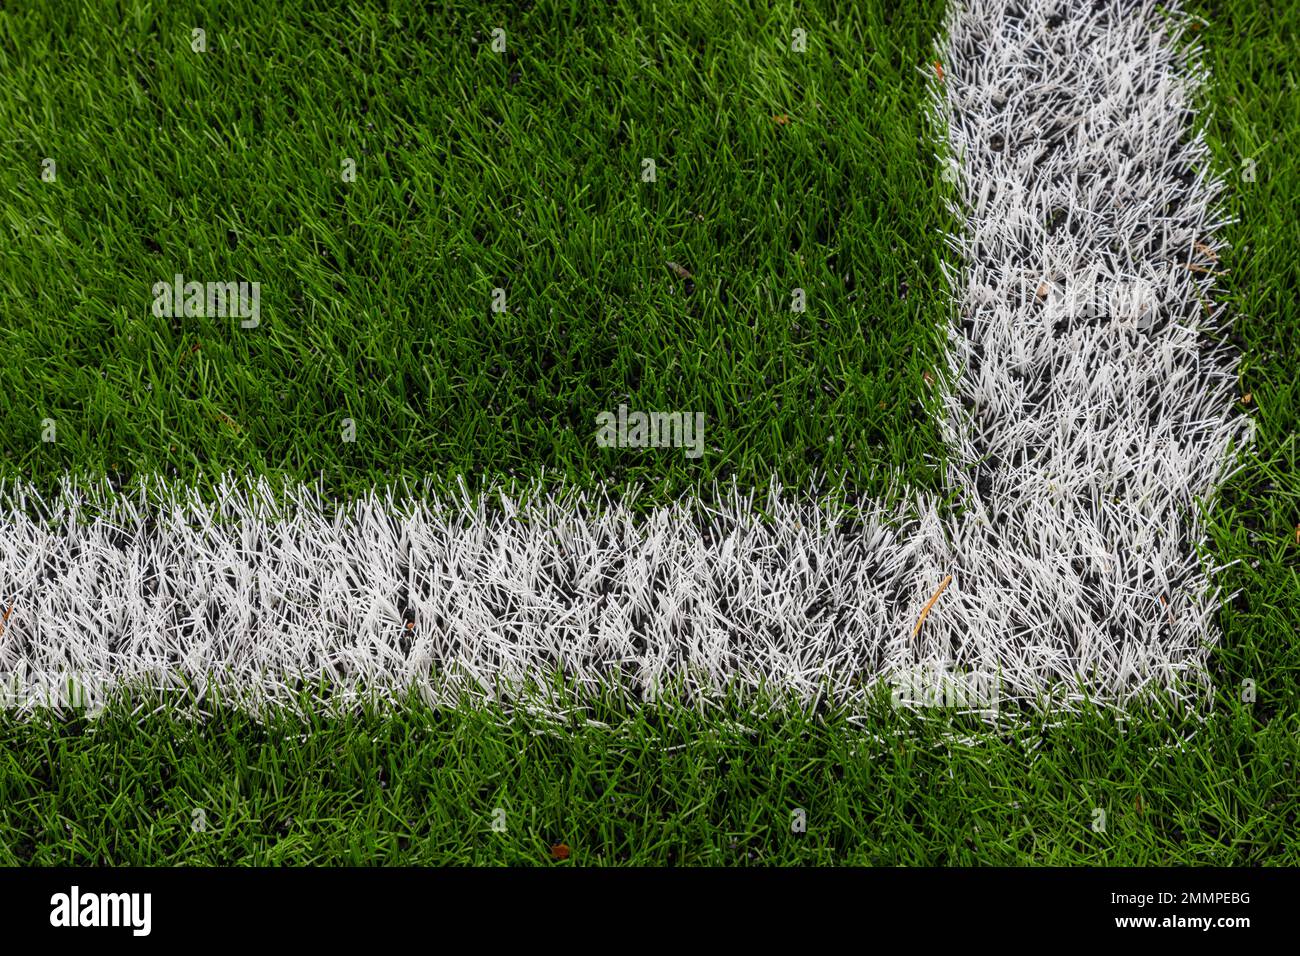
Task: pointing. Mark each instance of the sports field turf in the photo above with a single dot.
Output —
(523, 171)
(475, 171)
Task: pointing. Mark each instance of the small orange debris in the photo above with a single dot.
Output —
(560, 851)
(1245, 399)
(780, 119)
(925, 612)
(938, 69)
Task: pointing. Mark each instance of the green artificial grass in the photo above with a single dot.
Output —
(658, 785)
(1255, 117)
(475, 170)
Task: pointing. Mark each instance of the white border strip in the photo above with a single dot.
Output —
(1080, 443)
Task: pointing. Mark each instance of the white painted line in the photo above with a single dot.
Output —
(1079, 442)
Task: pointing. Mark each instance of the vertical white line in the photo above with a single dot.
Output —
(1091, 409)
